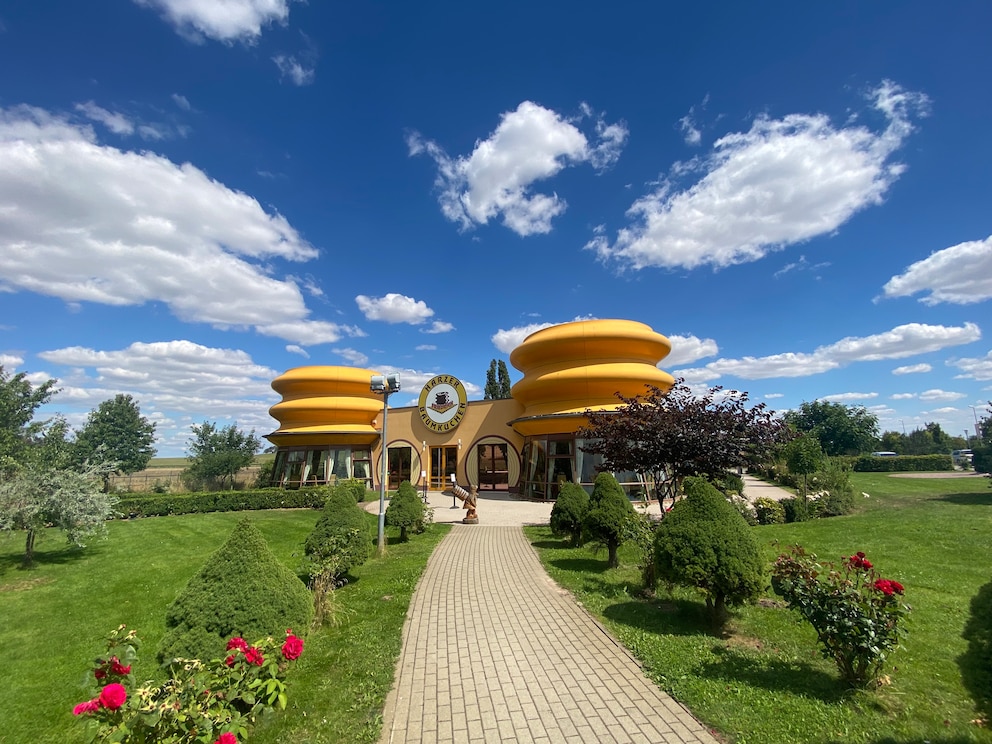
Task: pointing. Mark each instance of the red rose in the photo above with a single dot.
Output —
(292, 648)
(99, 673)
(227, 738)
(238, 643)
(254, 656)
(117, 668)
(229, 660)
(90, 706)
(896, 587)
(865, 563)
(113, 696)
(885, 587)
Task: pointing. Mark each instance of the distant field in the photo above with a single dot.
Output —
(181, 462)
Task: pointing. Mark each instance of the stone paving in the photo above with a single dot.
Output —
(494, 651)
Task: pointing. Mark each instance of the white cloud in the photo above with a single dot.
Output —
(394, 308)
(355, 358)
(298, 73)
(182, 102)
(439, 326)
(690, 132)
(973, 368)
(176, 382)
(228, 21)
(115, 121)
(507, 340)
(783, 182)
(941, 395)
(800, 266)
(688, 349)
(961, 274)
(413, 380)
(425, 347)
(844, 397)
(695, 376)
(902, 341)
(86, 222)
(773, 396)
(11, 361)
(294, 349)
(912, 369)
(902, 396)
(531, 144)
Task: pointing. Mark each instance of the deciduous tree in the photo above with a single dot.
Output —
(217, 455)
(38, 495)
(671, 436)
(19, 400)
(115, 431)
(842, 430)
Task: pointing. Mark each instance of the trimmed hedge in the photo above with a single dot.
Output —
(163, 505)
(903, 463)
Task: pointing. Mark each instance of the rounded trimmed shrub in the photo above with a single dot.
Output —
(568, 512)
(405, 510)
(242, 590)
(769, 511)
(704, 542)
(609, 512)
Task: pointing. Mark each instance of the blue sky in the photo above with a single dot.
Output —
(196, 196)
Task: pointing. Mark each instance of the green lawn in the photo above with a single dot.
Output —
(764, 681)
(56, 615)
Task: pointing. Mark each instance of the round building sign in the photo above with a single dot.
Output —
(442, 403)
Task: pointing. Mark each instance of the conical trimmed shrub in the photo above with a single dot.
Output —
(242, 590)
(342, 535)
(609, 514)
(568, 512)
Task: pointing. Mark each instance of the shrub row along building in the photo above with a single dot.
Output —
(330, 421)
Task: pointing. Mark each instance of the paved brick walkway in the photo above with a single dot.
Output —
(494, 651)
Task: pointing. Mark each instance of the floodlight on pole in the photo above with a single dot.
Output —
(384, 385)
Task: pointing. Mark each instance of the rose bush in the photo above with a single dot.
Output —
(213, 702)
(856, 613)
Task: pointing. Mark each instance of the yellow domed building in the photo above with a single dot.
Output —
(330, 420)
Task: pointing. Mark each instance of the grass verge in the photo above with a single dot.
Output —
(56, 615)
(763, 679)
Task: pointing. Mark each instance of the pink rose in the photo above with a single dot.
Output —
(113, 696)
(292, 648)
(227, 738)
(254, 656)
(90, 706)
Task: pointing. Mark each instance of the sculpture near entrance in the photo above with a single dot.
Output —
(468, 499)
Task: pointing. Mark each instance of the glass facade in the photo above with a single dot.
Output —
(548, 461)
(314, 466)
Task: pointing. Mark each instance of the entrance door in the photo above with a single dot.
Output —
(444, 461)
(494, 473)
(399, 466)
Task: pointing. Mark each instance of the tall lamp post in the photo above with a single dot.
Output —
(384, 385)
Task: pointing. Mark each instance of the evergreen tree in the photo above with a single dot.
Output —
(492, 387)
(504, 380)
